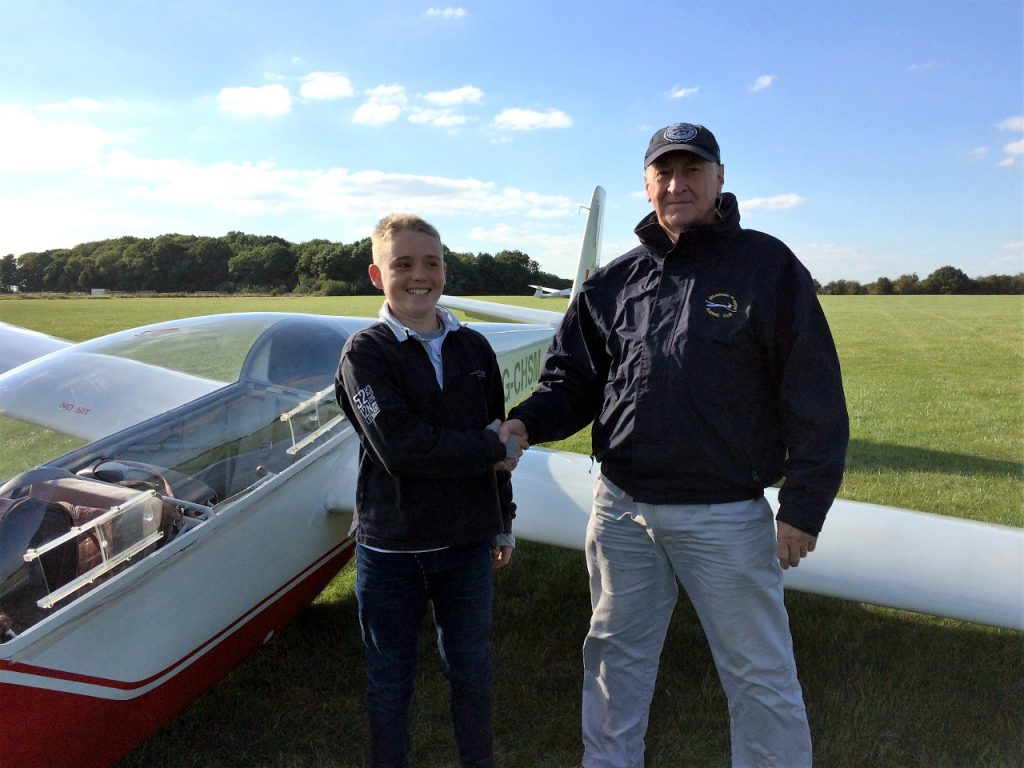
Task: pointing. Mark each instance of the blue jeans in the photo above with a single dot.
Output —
(393, 590)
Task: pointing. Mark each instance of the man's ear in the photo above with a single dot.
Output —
(374, 272)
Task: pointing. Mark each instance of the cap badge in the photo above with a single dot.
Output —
(680, 133)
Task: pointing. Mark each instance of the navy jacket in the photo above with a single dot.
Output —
(708, 369)
(425, 461)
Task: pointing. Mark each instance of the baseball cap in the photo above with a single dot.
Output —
(685, 137)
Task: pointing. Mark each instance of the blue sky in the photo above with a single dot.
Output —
(873, 137)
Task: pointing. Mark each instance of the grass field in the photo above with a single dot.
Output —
(935, 388)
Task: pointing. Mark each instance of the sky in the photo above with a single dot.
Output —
(875, 137)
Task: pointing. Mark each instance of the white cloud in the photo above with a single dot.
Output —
(778, 202)
(269, 100)
(496, 232)
(72, 105)
(1018, 246)
(764, 81)
(445, 13)
(325, 86)
(978, 152)
(375, 113)
(922, 65)
(118, 192)
(264, 187)
(682, 93)
(31, 145)
(1012, 124)
(383, 105)
(440, 118)
(1012, 153)
(467, 94)
(530, 120)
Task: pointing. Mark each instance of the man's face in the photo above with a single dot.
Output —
(410, 269)
(683, 188)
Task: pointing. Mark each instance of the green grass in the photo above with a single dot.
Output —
(936, 396)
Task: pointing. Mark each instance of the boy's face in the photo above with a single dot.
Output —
(410, 269)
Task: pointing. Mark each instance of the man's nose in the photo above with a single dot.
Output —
(677, 182)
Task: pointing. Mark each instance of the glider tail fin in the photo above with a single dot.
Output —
(591, 249)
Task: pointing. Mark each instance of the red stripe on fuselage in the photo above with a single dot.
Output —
(42, 727)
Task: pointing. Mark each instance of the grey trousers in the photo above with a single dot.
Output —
(725, 557)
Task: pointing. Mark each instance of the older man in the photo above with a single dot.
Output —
(707, 367)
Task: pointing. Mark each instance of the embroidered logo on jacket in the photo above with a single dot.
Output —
(721, 305)
(366, 403)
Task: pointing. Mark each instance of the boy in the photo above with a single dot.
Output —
(433, 500)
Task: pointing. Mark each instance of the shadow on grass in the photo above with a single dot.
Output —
(883, 688)
(866, 455)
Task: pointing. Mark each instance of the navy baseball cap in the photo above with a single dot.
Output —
(683, 137)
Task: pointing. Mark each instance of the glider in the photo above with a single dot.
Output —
(202, 492)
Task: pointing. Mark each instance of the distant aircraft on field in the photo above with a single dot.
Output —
(201, 495)
(541, 292)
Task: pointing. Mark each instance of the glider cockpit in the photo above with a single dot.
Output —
(252, 395)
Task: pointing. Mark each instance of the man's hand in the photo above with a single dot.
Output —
(794, 544)
(517, 428)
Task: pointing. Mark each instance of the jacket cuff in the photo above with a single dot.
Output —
(497, 447)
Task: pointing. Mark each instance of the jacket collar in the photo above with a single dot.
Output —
(448, 322)
(653, 236)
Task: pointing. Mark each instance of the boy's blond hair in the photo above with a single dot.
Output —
(394, 223)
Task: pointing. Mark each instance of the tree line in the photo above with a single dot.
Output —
(944, 280)
(239, 262)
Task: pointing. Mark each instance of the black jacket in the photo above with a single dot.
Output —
(425, 460)
(708, 369)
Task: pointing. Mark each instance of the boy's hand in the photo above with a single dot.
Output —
(501, 556)
(513, 447)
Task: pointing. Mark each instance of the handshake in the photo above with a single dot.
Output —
(513, 434)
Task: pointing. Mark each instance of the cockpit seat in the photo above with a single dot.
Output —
(304, 356)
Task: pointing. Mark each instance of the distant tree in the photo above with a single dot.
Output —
(1000, 284)
(515, 271)
(266, 266)
(31, 271)
(207, 259)
(8, 273)
(59, 274)
(462, 277)
(109, 263)
(947, 280)
(137, 266)
(169, 265)
(907, 284)
(843, 288)
(883, 286)
(488, 282)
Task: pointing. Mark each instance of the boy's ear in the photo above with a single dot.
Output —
(374, 272)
